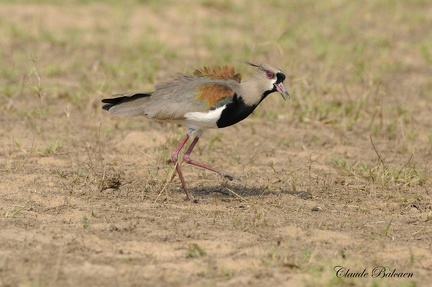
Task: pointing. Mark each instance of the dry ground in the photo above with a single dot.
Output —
(340, 175)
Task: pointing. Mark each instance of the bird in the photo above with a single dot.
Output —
(209, 98)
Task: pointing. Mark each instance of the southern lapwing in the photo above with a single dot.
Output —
(213, 97)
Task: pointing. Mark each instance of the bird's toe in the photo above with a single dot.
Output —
(229, 176)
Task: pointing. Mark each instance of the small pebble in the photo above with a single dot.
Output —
(414, 210)
(317, 208)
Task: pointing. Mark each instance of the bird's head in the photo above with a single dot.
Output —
(271, 79)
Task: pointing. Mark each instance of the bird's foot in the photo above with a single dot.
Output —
(228, 176)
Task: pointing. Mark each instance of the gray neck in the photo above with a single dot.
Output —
(251, 92)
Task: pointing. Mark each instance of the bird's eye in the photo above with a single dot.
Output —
(269, 74)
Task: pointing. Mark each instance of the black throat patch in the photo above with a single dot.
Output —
(234, 112)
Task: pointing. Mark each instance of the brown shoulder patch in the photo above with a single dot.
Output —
(219, 73)
(211, 94)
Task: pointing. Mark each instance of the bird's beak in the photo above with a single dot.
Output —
(281, 89)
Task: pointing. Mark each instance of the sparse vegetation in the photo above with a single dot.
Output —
(194, 250)
(84, 199)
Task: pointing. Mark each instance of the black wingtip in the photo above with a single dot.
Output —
(111, 102)
(107, 107)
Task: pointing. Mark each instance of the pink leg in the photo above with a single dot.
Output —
(187, 159)
(174, 158)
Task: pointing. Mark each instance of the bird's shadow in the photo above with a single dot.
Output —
(237, 190)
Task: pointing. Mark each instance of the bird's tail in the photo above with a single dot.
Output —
(127, 104)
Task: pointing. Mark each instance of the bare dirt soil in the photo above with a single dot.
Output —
(340, 175)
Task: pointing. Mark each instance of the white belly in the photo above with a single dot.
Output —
(203, 120)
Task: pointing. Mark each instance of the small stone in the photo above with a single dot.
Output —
(414, 210)
(317, 208)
